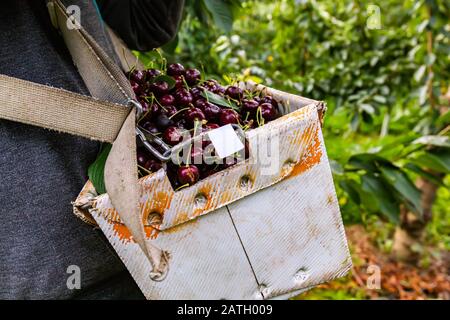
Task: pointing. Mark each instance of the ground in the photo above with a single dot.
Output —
(398, 280)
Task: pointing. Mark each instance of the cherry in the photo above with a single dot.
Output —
(167, 100)
(197, 92)
(155, 110)
(173, 135)
(249, 106)
(269, 99)
(193, 114)
(141, 157)
(183, 97)
(211, 111)
(152, 73)
(169, 111)
(144, 104)
(150, 127)
(211, 126)
(137, 76)
(188, 174)
(200, 103)
(211, 85)
(228, 116)
(234, 92)
(175, 69)
(137, 88)
(268, 111)
(159, 88)
(179, 82)
(219, 89)
(152, 165)
(192, 76)
(163, 121)
(181, 124)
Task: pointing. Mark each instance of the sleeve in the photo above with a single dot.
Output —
(143, 24)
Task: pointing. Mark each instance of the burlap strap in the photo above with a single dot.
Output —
(104, 117)
(60, 110)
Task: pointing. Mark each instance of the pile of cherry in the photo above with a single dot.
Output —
(178, 102)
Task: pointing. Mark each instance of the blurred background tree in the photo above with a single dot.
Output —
(383, 68)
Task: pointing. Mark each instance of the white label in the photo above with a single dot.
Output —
(225, 141)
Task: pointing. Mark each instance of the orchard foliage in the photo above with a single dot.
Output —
(383, 67)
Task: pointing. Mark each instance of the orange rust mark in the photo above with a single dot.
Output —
(312, 156)
(122, 232)
(151, 232)
(225, 197)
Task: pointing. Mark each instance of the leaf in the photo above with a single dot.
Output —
(418, 75)
(424, 174)
(96, 170)
(434, 160)
(219, 100)
(374, 190)
(351, 188)
(366, 161)
(336, 167)
(438, 141)
(404, 186)
(221, 13)
(165, 78)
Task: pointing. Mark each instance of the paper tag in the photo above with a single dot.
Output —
(225, 141)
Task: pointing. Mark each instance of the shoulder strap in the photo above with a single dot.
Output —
(104, 117)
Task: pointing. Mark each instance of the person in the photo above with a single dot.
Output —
(42, 171)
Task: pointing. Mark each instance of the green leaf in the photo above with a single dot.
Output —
(219, 100)
(351, 187)
(366, 161)
(438, 160)
(404, 186)
(424, 174)
(438, 141)
(221, 13)
(168, 79)
(96, 170)
(376, 196)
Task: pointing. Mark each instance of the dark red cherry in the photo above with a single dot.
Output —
(173, 135)
(137, 76)
(141, 157)
(219, 89)
(179, 82)
(211, 111)
(144, 104)
(228, 116)
(193, 114)
(192, 76)
(269, 99)
(150, 127)
(159, 88)
(163, 121)
(183, 97)
(169, 111)
(152, 73)
(268, 111)
(175, 69)
(167, 100)
(197, 92)
(211, 126)
(211, 85)
(250, 106)
(234, 92)
(152, 165)
(188, 174)
(137, 88)
(200, 103)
